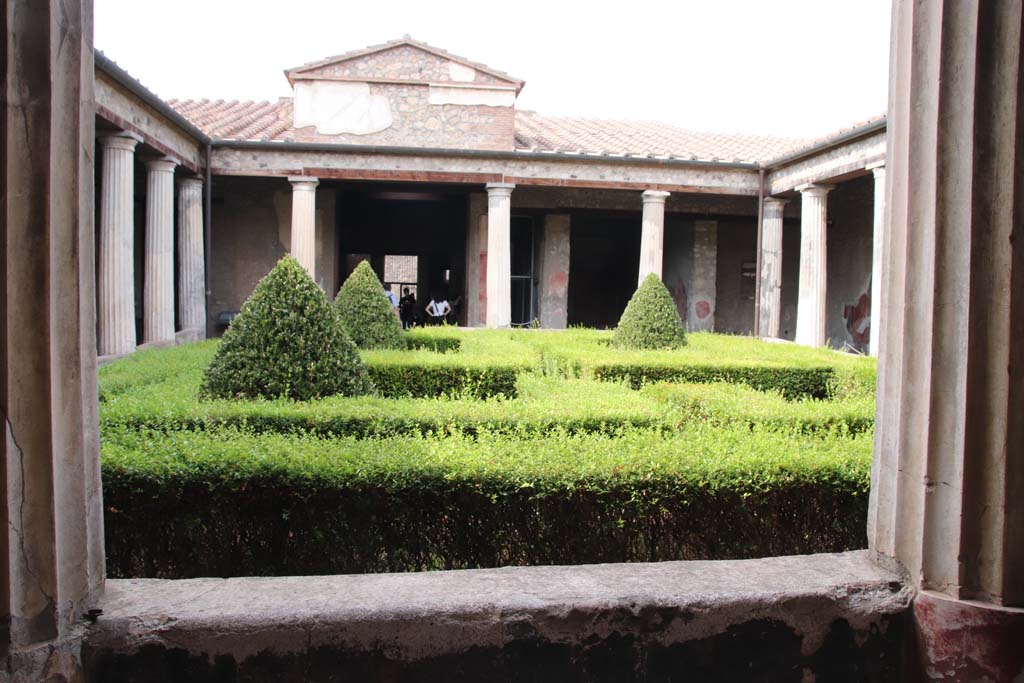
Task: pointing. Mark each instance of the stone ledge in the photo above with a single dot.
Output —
(774, 614)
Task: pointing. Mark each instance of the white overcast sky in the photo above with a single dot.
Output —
(787, 67)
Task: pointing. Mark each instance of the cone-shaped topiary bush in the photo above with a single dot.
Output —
(650, 320)
(287, 341)
(366, 313)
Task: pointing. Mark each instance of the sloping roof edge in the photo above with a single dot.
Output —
(133, 85)
(862, 130)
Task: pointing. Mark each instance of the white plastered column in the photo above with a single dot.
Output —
(499, 254)
(810, 312)
(877, 259)
(303, 246)
(191, 257)
(116, 295)
(158, 290)
(652, 234)
(771, 266)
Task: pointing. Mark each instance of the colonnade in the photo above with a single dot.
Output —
(812, 287)
(116, 259)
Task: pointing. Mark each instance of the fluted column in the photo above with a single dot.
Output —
(499, 254)
(116, 295)
(877, 259)
(158, 290)
(947, 487)
(191, 258)
(771, 266)
(304, 222)
(810, 311)
(652, 234)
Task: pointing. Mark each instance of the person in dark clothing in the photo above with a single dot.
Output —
(407, 308)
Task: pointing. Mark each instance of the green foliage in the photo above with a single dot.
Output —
(288, 342)
(730, 404)
(650, 320)
(366, 313)
(226, 502)
(791, 382)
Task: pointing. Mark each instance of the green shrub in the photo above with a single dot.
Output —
(791, 382)
(729, 404)
(435, 343)
(223, 503)
(650, 320)
(288, 342)
(366, 313)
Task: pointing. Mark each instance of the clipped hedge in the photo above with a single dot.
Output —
(228, 503)
(366, 314)
(735, 404)
(287, 341)
(396, 380)
(650, 320)
(432, 343)
(791, 382)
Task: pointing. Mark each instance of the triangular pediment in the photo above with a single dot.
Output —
(403, 60)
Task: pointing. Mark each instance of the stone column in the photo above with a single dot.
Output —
(158, 290)
(771, 266)
(554, 271)
(701, 316)
(116, 296)
(52, 564)
(303, 245)
(652, 234)
(877, 258)
(476, 261)
(947, 494)
(191, 263)
(499, 254)
(810, 311)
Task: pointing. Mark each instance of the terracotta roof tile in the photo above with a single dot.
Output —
(234, 120)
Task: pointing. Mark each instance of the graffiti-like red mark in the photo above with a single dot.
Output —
(703, 309)
(558, 283)
(858, 319)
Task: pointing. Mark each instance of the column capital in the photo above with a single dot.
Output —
(776, 201)
(161, 165)
(878, 171)
(500, 189)
(774, 207)
(190, 181)
(815, 189)
(655, 196)
(119, 140)
(303, 182)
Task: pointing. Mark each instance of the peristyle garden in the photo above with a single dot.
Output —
(319, 437)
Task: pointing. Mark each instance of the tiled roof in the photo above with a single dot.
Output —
(239, 120)
(642, 138)
(246, 120)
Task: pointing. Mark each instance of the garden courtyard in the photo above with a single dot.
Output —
(485, 448)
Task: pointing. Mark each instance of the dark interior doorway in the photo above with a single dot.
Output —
(603, 265)
(524, 259)
(377, 221)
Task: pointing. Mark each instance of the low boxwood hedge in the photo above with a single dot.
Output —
(792, 382)
(228, 503)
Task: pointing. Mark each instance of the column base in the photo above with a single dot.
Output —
(962, 640)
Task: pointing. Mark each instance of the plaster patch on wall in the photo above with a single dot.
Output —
(335, 108)
(461, 72)
(488, 97)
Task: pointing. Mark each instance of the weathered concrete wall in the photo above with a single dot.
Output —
(123, 109)
(554, 270)
(820, 617)
(519, 168)
(851, 157)
(252, 231)
(701, 311)
(677, 265)
(737, 244)
(790, 277)
(848, 297)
